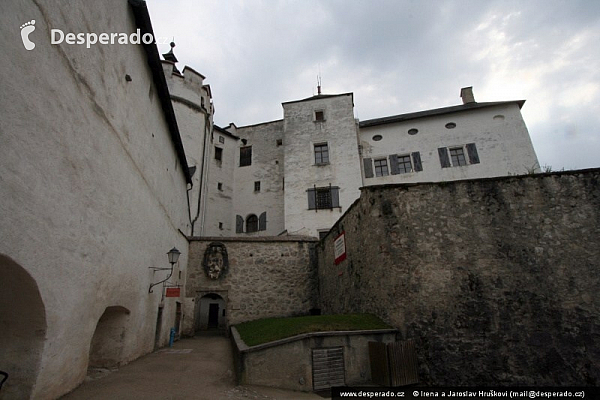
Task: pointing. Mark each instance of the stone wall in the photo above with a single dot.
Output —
(266, 277)
(495, 279)
(287, 363)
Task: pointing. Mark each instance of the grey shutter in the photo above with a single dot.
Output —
(472, 152)
(239, 224)
(444, 159)
(394, 164)
(416, 156)
(312, 201)
(335, 197)
(368, 167)
(262, 222)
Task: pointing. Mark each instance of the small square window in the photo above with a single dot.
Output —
(381, 167)
(279, 142)
(221, 139)
(257, 186)
(321, 154)
(219, 186)
(218, 153)
(320, 115)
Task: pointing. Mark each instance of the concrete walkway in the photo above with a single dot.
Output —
(196, 368)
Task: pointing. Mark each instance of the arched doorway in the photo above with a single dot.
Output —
(107, 343)
(22, 329)
(212, 314)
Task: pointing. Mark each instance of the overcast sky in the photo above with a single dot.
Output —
(400, 56)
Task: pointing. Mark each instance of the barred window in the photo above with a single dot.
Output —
(381, 167)
(321, 154)
(323, 198)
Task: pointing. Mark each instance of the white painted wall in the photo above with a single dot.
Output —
(192, 103)
(219, 202)
(301, 132)
(92, 192)
(266, 168)
(499, 132)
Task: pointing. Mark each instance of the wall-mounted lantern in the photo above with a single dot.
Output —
(173, 256)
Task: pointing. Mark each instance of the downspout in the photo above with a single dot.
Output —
(204, 160)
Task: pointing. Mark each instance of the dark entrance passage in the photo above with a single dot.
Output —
(211, 314)
(23, 322)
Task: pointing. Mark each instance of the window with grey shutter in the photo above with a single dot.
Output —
(368, 167)
(472, 152)
(239, 224)
(312, 202)
(444, 159)
(416, 156)
(335, 197)
(262, 222)
(394, 164)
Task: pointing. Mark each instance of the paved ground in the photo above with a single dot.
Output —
(196, 368)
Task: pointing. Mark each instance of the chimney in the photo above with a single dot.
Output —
(467, 95)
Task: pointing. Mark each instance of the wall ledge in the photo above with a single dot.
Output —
(242, 347)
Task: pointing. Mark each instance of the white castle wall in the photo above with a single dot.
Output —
(301, 133)
(92, 191)
(499, 133)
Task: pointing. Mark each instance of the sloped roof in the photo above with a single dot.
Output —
(436, 111)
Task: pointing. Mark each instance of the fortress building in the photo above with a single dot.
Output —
(109, 160)
(298, 175)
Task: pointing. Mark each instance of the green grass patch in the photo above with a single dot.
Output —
(270, 329)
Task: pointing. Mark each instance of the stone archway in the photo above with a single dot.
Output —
(22, 329)
(212, 313)
(108, 341)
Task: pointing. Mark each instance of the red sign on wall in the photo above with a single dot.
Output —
(173, 292)
(339, 248)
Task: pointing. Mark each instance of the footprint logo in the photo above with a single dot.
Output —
(26, 29)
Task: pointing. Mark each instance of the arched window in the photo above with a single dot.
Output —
(251, 223)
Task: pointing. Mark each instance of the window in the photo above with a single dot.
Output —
(221, 139)
(457, 155)
(323, 198)
(413, 131)
(257, 186)
(321, 154)
(220, 225)
(450, 125)
(219, 186)
(319, 115)
(377, 138)
(218, 153)
(252, 223)
(245, 156)
(404, 165)
(279, 142)
(322, 234)
(381, 167)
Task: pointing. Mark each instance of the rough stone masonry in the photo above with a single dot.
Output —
(496, 279)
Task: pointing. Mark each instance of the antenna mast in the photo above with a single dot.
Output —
(319, 81)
